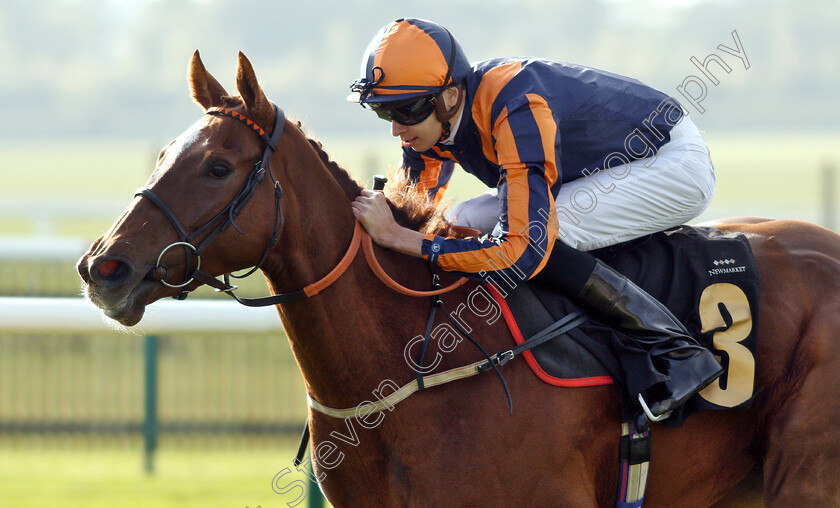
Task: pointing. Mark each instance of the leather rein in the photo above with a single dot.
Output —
(226, 218)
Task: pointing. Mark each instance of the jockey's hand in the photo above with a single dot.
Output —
(372, 210)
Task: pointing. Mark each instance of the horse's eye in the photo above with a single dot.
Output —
(219, 171)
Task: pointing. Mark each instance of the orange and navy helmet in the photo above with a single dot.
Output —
(409, 58)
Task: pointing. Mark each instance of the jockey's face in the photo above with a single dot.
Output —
(424, 135)
(419, 137)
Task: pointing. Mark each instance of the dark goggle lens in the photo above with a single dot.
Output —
(406, 113)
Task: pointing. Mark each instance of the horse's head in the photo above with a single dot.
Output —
(193, 208)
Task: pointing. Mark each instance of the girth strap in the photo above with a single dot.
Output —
(634, 455)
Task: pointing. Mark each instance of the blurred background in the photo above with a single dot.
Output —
(92, 89)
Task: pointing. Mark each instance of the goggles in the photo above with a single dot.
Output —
(408, 112)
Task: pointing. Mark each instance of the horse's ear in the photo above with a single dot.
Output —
(204, 88)
(249, 88)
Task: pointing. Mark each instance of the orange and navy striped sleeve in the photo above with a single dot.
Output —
(430, 175)
(520, 135)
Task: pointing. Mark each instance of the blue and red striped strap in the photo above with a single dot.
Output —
(634, 458)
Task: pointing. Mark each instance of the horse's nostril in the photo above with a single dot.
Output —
(107, 268)
(110, 270)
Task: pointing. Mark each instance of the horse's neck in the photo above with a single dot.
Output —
(349, 338)
(327, 329)
(357, 335)
(319, 225)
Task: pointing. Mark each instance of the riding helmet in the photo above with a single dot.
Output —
(409, 58)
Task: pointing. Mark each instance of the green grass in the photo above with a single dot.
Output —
(61, 473)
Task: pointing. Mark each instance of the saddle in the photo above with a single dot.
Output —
(708, 279)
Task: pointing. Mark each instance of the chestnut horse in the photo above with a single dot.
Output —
(456, 444)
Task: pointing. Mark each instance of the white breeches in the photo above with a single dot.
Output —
(623, 202)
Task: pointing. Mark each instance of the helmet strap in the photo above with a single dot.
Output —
(447, 129)
(445, 115)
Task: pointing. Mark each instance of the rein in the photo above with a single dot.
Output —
(225, 218)
(360, 237)
(373, 263)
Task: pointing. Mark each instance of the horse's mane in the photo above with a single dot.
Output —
(412, 207)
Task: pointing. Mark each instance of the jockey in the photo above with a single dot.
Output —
(576, 159)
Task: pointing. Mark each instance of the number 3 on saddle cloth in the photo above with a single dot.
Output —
(708, 279)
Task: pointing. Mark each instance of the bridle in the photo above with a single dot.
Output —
(226, 217)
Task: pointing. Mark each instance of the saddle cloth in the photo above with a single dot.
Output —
(708, 279)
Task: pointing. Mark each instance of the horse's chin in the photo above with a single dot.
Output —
(128, 316)
(125, 309)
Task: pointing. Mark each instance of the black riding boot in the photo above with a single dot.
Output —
(687, 366)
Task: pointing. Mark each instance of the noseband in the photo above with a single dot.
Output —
(226, 217)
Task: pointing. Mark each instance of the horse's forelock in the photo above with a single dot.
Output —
(231, 101)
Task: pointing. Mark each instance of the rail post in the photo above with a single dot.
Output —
(150, 418)
(316, 499)
(829, 188)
